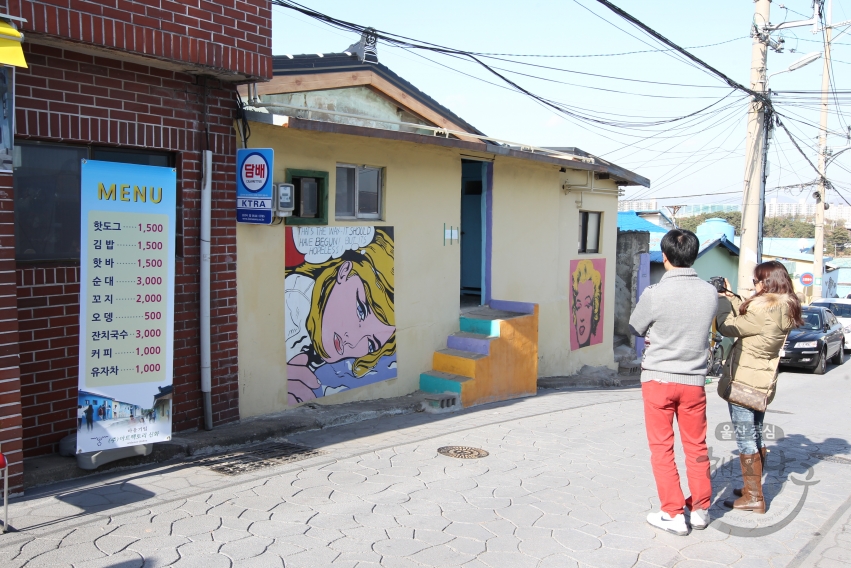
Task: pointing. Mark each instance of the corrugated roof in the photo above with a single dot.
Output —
(630, 222)
(720, 241)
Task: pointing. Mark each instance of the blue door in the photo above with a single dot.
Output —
(471, 228)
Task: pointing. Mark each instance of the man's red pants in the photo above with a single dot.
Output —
(663, 401)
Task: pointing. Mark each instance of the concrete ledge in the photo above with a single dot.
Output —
(580, 381)
(44, 470)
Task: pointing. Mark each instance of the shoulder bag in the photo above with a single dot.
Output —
(743, 395)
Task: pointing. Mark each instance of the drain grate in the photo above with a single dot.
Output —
(830, 458)
(462, 452)
(258, 457)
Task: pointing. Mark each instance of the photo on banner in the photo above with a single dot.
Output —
(127, 268)
(587, 289)
(340, 319)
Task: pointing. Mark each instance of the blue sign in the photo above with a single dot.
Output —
(254, 201)
(807, 279)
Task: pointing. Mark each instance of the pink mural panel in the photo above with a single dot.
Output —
(340, 320)
(587, 289)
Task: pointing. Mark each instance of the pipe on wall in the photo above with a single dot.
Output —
(206, 362)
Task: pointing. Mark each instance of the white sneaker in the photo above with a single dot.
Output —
(662, 520)
(700, 519)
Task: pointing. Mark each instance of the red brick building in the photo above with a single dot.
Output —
(141, 81)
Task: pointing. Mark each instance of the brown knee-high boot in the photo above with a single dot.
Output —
(752, 498)
(762, 451)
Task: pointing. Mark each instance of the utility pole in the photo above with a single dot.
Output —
(674, 209)
(751, 242)
(821, 199)
(753, 199)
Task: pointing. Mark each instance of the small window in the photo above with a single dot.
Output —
(358, 192)
(311, 197)
(589, 231)
(306, 197)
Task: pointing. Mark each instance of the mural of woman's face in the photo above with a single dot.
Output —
(583, 311)
(349, 327)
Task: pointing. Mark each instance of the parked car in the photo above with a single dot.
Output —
(841, 308)
(820, 339)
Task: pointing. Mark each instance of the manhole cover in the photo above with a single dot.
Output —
(462, 452)
(259, 457)
(830, 458)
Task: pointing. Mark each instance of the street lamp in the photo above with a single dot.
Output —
(805, 60)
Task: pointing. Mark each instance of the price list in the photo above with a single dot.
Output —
(126, 298)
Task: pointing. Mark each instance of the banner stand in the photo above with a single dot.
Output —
(5, 463)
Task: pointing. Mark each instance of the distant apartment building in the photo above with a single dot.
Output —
(772, 209)
(807, 210)
(681, 211)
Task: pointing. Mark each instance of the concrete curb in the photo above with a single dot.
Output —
(44, 470)
(580, 381)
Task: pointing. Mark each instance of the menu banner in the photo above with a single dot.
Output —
(127, 231)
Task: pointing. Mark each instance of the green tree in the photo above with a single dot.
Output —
(835, 238)
(788, 228)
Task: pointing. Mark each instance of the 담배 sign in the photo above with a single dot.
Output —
(127, 227)
(254, 195)
(807, 279)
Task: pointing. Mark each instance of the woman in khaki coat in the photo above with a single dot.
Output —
(761, 323)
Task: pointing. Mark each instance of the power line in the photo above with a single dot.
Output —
(406, 42)
(609, 54)
(634, 21)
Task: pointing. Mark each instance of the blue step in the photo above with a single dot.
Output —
(474, 342)
(480, 326)
(439, 382)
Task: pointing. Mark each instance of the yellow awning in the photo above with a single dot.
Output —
(11, 47)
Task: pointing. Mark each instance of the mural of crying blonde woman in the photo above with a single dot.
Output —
(340, 316)
(586, 294)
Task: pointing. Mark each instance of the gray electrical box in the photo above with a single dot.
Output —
(285, 194)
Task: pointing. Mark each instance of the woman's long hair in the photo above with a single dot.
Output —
(775, 280)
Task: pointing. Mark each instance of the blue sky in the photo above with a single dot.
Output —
(707, 157)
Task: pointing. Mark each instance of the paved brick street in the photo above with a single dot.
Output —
(567, 483)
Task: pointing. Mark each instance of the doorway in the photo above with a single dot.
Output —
(473, 232)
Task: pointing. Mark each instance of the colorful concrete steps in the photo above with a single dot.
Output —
(457, 362)
(493, 357)
(472, 342)
(440, 382)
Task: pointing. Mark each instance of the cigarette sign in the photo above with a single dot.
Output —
(254, 200)
(807, 279)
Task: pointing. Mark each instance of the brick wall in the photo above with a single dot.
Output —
(10, 384)
(232, 35)
(69, 97)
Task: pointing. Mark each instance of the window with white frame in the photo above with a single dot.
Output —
(358, 194)
(589, 231)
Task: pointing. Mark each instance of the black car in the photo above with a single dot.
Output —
(819, 339)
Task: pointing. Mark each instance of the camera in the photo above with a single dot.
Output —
(718, 282)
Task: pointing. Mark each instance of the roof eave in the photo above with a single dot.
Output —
(618, 174)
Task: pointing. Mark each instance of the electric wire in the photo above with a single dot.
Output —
(607, 54)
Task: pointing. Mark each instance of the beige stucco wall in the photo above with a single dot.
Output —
(535, 236)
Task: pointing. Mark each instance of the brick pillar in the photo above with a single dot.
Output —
(10, 374)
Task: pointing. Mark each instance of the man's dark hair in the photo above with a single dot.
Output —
(680, 247)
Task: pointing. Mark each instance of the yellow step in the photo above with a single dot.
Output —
(457, 362)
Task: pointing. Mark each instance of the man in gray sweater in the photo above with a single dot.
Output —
(675, 317)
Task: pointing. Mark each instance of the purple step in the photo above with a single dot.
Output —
(472, 342)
